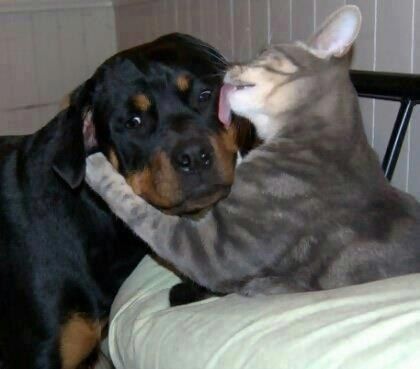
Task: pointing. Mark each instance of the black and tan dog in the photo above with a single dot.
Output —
(63, 255)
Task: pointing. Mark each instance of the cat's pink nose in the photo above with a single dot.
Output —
(225, 114)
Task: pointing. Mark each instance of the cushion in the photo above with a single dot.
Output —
(374, 325)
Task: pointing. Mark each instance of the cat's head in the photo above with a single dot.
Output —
(287, 77)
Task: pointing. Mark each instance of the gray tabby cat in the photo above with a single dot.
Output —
(310, 208)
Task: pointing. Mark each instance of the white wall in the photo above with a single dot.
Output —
(47, 47)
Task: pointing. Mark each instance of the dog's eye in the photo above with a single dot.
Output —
(134, 122)
(204, 96)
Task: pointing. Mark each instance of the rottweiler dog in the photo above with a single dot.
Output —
(152, 110)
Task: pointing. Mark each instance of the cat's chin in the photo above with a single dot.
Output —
(199, 203)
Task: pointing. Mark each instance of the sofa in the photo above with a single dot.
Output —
(374, 325)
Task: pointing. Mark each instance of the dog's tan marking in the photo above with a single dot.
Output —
(158, 184)
(183, 83)
(79, 337)
(114, 159)
(225, 147)
(142, 102)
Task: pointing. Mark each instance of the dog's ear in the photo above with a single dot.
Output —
(76, 136)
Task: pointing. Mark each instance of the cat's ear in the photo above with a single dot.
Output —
(337, 34)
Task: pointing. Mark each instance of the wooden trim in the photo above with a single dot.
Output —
(31, 107)
(132, 2)
(43, 5)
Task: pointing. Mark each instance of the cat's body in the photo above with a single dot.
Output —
(310, 208)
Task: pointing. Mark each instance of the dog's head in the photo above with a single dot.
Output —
(152, 110)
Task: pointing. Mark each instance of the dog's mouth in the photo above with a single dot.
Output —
(201, 200)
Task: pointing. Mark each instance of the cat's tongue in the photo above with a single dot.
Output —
(225, 114)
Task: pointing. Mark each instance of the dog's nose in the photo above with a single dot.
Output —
(193, 157)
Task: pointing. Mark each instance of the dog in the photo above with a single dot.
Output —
(152, 110)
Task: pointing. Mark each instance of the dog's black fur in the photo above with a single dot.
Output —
(62, 253)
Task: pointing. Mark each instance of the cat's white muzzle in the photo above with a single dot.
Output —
(244, 100)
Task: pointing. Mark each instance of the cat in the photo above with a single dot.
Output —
(310, 207)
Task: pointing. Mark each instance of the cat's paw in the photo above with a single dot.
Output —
(95, 168)
(100, 172)
(97, 160)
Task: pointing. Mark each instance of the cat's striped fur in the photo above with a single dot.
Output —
(310, 208)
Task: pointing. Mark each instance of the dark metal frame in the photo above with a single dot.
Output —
(404, 88)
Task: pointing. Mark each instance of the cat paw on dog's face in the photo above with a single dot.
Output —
(156, 122)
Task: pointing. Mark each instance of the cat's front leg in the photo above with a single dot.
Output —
(157, 229)
(132, 209)
(110, 185)
(270, 285)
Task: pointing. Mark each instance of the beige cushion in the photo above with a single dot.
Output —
(375, 325)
